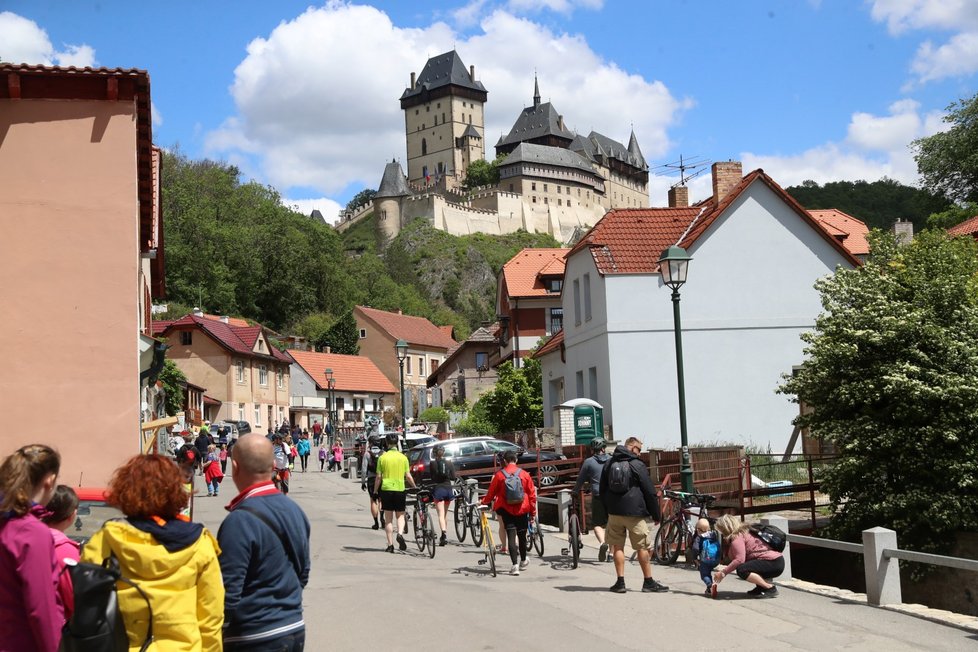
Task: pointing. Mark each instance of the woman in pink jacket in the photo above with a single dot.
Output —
(750, 558)
(31, 615)
(62, 510)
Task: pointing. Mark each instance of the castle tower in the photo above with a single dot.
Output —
(387, 202)
(443, 121)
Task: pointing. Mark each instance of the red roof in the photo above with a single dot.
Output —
(352, 373)
(630, 240)
(968, 227)
(523, 272)
(845, 228)
(234, 338)
(414, 330)
(553, 344)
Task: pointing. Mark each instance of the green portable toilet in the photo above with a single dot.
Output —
(588, 420)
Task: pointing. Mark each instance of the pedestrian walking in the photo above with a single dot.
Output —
(265, 558)
(368, 475)
(32, 616)
(443, 477)
(630, 500)
(322, 457)
(281, 466)
(393, 471)
(591, 474)
(222, 455)
(303, 448)
(212, 471)
(336, 464)
(513, 497)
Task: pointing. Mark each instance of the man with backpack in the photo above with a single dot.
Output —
(630, 499)
(368, 473)
(591, 473)
(514, 499)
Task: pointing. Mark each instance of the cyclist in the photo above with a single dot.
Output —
(591, 473)
(368, 473)
(513, 496)
(393, 471)
(443, 476)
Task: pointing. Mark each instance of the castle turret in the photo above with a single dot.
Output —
(387, 202)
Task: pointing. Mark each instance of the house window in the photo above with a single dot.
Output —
(339, 403)
(186, 338)
(577, 303)
(482, 361)
(554, 285)
(363, 333)
(280, 378)
(434, 365)
(579, 378)
(257, 415)
(239, 365)
(263, 375)
(587, 297)
(407, 362)
(556, 319)
(420, 366)
(592, 383)
(241, 411)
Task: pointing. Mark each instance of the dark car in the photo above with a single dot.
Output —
(479, 454)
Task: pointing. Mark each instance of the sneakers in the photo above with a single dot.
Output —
(754, 592)
(515, 569)
(444, 540)
(401, 543)
(651, 586)
(375, 526)
(603, 552)
(765, 593)
(619, 586)
(524, 564)
(713, 591)
(389, 549)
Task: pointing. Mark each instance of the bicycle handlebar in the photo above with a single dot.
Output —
(686, 496)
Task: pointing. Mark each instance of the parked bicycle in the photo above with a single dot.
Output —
(676, 532)
(574, 543)
(424, 528)
(464, 516)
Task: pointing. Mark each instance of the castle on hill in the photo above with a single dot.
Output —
(552, 180)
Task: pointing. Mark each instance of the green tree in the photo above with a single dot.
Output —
(952, 216)
(360, 198)
(482, 173)
(171, 377)
(342, 337)
(948, 161)
(516, 402)
(434, 415)
(892, 377)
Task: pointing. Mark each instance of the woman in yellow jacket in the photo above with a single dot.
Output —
(172, 560)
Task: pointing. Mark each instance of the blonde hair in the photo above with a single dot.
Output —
(702, 525)
(21, 474)
(728, 526)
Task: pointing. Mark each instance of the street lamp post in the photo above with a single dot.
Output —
(329, 402)
(401, 348)
(335, 414)
(673, 266)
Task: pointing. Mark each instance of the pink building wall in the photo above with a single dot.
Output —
(69, 282)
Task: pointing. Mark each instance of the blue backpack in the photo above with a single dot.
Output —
(709, 549)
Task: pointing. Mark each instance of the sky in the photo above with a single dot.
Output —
(304, 97)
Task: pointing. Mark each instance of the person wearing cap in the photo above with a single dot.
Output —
(591, 473)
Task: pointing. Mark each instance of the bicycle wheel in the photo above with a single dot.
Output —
(537, 536)
(574, 540)
(461, 527)
(429, 533)
(667, 540)
(418, 530)
(490, 548)
(475, 526)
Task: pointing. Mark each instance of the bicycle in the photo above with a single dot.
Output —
(424, 528)
(574, 543)
(463, 515)
(676, 532)
(534, 535)
(485, 538)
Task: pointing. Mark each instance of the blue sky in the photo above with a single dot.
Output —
(304, 97)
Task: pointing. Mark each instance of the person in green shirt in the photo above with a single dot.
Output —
(393, 471)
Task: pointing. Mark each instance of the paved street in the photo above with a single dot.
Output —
(360, 597)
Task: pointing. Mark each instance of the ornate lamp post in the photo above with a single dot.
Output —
(329, 402)
(335, 415)
(673, 264)
(401, 347)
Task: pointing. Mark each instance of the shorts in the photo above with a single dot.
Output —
(393, 501)
(636, 527)
(766, 568)
(514, 521)
(443, 494)
(374, 495)
(599, 516)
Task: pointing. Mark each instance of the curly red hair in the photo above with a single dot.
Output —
(148, 485)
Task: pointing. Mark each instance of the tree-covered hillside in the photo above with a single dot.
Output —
(233, 248)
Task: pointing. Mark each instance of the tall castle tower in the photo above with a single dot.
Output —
(443, 121)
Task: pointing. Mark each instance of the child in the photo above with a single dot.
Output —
(337, 463)
(706, 544)
(212, 471)
(322, 457)
(62, 510)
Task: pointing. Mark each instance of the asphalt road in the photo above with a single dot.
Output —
(362, 598)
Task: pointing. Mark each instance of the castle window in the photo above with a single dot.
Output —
(511, 187)
(558, 190)
(443, 116)
(470, 118)
(544, 187)
(534, 199)
(546, 200)
(533, 185)
(568, 190)
(424, 147)
(578, 192)
(427, 109)
(436, 120)
(568, 203)
(438, 106)
(560, 202)
(416, 111)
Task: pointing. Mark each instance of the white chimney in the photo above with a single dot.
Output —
(198, 312)
(224, 319)
(903, 230)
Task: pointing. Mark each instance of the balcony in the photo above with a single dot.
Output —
(309, 402)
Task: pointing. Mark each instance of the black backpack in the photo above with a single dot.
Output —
(439, 471)
(771, 535)
(96, 624)
(620, 476)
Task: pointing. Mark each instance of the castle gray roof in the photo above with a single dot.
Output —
(535, 122)
(443, 70)
(471, 131)
(543, 154)
(597, 147)
(393, 183)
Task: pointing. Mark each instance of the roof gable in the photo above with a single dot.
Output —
(523, 272)
(414, 330)
(239, 340)
(351, 373)
(442, 70)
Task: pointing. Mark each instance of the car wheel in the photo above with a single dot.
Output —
(548, 476)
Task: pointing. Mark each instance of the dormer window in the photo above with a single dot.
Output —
(554, 285)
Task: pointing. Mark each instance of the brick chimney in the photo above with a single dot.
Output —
(903, 230)
(726, 176)
(679, 197)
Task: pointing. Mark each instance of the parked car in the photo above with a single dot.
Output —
(479, 454)
(413, 439)
(234, 428)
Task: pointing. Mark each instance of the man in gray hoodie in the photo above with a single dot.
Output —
(591, 472)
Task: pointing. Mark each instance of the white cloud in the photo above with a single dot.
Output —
(23, 41)
(155, 113)
(328, 207)
(318, 108)
(559, 6)
(955, 58)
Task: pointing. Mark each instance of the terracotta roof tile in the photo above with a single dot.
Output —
(160, 325)
(236, 339)
(554, 343)
(352, 373)
(968, 227)
(415, 330)
(850, 231)
(522, 272)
